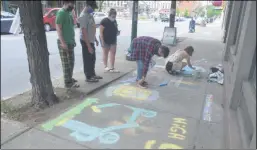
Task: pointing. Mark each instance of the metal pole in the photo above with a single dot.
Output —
(172, 13)
(134, 20)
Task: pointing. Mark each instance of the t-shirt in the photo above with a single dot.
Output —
(65, 18)
(87, 21)
(110, 31)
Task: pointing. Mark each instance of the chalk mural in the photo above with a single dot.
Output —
(132, 92)
(84, 132)
(207, 108)
(177, 131)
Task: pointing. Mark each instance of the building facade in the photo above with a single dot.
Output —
(240, 74)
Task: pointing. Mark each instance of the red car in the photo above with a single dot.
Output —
(49, 18)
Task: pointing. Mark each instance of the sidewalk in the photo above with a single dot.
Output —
(184, 114)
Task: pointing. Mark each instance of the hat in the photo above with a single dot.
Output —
(92, 3)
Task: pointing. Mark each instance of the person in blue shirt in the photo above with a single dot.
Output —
(192, 25)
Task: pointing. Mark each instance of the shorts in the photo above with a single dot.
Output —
(107, 46)
(173, 66)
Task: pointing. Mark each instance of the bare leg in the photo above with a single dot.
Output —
(183, 65)
(105, 56)
(112, 55)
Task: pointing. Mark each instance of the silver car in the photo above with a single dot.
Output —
(6, 21)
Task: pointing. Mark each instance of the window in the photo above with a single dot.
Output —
(239, 21)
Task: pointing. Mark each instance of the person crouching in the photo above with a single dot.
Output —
(142, 50)
(174, 63)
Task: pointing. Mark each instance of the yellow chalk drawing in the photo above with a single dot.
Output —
(169, 146)
(183, 82)
(96, 109)
(176, 136)
(180, 120)
(175, 128)
(128, 91)
(179, 124)
(48, 126)
(149, 145)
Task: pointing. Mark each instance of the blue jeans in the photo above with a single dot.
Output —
(140, 67)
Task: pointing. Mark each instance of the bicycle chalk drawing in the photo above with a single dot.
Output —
(83, 132)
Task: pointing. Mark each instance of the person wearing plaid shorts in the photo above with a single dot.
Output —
(66, 42)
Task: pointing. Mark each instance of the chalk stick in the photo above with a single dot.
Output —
(163, 84)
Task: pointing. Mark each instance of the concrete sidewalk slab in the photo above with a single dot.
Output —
(36, 139)
(10, 129)
(88, 88)
(95, 123)
(210, 136)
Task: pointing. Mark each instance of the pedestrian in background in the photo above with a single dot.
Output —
(66, 41)
(87, 40)
(108, 38)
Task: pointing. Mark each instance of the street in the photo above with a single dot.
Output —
(14, 66)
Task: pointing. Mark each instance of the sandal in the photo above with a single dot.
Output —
(92, 80)
(113, 70)
(141, 85)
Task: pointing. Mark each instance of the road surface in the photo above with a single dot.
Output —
(14, 65)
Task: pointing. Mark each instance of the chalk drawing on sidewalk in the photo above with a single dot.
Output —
(129, 80)
(132, 92)
(177, 132)
(84, 132)
(207, 112)
(150, 143)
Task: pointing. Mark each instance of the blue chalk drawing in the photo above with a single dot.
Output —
(207, 108)
(83, 132)
(129, 80)
(189, 71)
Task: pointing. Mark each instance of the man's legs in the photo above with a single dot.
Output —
(93, 60)
(87, 62)
(65, 66)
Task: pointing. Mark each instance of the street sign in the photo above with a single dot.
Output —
(169, 36)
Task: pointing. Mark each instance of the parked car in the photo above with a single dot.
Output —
(99, 16)
(164, 18)
(6, 21)
(49, 18)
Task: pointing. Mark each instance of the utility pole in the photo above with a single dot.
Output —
(134, 20)
(172, 13)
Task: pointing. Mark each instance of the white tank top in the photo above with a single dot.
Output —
(176, 57)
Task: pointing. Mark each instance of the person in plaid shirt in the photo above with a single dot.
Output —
(142, 49)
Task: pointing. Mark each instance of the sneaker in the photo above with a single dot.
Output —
(92, 80)
(113, 70)
(106, 69)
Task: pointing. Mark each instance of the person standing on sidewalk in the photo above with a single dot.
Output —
(87, 40)
(142, 50)
(66, 41)
(108, 39)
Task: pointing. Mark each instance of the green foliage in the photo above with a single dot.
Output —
(177, 12)
(186, 14)
(211, 11)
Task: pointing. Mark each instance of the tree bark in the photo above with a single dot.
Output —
(38, 59)
(172, 13)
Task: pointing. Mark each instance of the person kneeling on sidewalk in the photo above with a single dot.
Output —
(174, 63)
(142, 50)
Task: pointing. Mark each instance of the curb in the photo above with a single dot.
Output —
(108, 83)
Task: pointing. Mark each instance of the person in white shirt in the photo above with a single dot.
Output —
(174, 63)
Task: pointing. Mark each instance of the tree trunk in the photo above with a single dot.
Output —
(38, 59)
(172, 13)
